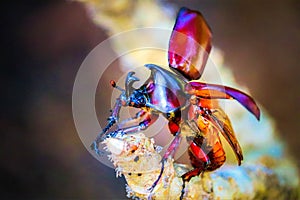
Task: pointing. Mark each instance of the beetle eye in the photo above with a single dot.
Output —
(142, 100)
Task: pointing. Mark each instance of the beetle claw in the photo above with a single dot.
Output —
(94, 147)
(150, 196)
(159, 176)
(114, 134)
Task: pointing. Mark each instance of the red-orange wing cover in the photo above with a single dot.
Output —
(190, 44)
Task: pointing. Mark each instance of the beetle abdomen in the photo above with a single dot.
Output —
(206, 157)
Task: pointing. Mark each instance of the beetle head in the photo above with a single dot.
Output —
(131, 96)
(135, 97)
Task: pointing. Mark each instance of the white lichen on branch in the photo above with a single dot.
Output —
(140, 164)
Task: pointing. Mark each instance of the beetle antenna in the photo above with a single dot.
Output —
(113, 84)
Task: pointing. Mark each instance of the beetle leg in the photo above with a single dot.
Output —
(138, 117)
(198, 152)
(172, 148)
(169, 153)
(187, 177)
(112, 119)
(149, 119)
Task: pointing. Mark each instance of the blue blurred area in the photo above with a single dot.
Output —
(43, 45)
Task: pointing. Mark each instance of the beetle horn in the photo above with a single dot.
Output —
(129, 82)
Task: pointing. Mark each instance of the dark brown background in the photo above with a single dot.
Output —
(43, 45)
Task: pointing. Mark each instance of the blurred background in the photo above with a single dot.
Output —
(43, 46)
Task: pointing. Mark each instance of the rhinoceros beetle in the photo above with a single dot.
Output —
(185, 102)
